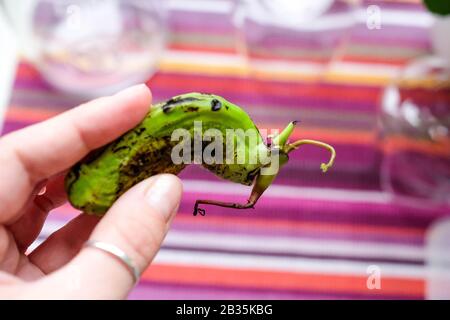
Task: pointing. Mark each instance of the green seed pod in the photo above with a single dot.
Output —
(95, 182)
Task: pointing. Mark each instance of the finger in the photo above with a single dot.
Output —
(62, 245)
(42, 150)
(137, 224)
(33, 215)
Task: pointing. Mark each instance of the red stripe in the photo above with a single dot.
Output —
(390, 144)
(395, 61)
(239, 85)
(303, 57)
(67, 211)
(186, 82)
(306, 226)
(201, 48)
(245, 278)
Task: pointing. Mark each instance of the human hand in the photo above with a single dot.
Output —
(37, 157)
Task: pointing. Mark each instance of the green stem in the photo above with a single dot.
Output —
(324, 166)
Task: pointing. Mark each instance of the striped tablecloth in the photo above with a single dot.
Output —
(311, 235)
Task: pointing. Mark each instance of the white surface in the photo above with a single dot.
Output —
(440, 38)
(20, 14)
(438, 260)
(8, 62)
(198, 239)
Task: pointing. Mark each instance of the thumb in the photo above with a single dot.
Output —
(137, 224)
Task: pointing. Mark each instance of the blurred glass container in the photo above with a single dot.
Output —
(94, 47)
(304, 34)
(8, 63)
(437, 256)
(414, 131)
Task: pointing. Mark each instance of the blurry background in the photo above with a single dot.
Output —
(369, 77)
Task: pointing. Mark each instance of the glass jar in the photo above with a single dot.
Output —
(94, 47)
(292, 39)
(414, 125)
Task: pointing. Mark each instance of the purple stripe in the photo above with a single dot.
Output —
(48, 99)
(361, 38)
(357, 167)
(321, 234)
(260, 98)
(219, 23)
(307, 178)
(52, 100)
(318, 41)
(325, 211)
(248, 229)
(157, 290)
(352, 160)
(10, 126)
(401, 35)
(356, 158)
(409, 174)
(288, 255)
(201, 22)
(248, 82)
(34, 83)
(394, 5)
(259, 115)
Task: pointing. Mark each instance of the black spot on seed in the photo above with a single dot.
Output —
(140, 131)
(176, 101)
(252, 174)
(191, 109)
(166, 108)
(120, 148)
(93, 155)
(216, 105)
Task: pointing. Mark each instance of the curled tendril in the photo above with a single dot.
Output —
(324, 166)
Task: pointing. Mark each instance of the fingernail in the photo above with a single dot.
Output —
(164, 195)
(132, 90)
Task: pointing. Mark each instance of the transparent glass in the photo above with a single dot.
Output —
(414, 132)
(304, 35)
(437, 256)
(94, 48)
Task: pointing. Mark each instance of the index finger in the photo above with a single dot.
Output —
(44, 149)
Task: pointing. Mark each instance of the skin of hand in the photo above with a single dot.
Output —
(38, 157)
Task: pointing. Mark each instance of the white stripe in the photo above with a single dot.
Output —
(286, 66)
(35, 244)
(278, 244)
(212, 6)
(310, 68)
(274, 264)
(251, 262)
(292, 245)
(203, 58)
(293, 192)
(307, 193)
(356, 68)
(420, 19)
(8, 64)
